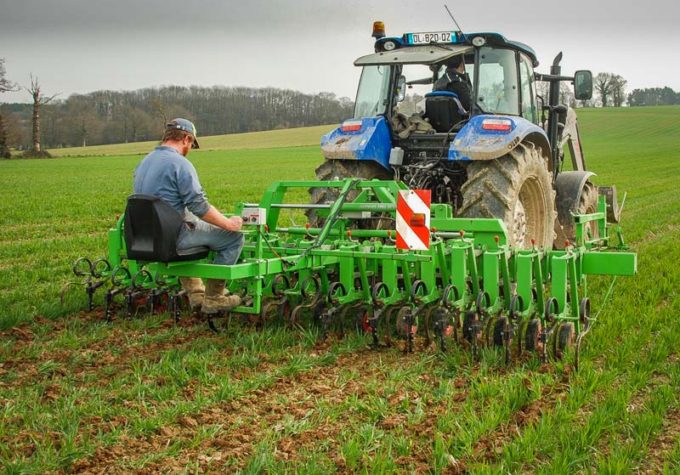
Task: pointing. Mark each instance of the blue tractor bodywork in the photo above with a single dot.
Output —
(372, 141)
(474, 142)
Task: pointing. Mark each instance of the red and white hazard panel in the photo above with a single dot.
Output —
(413, 220)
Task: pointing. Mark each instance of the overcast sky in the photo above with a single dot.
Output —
(79, 46)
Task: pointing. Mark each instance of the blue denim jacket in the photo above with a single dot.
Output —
(170, 176)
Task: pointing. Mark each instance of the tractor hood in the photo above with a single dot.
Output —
(429, 54)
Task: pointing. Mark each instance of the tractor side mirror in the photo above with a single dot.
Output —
(583, 85)
(401, 89)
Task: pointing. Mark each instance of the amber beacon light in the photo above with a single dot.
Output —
(378, 30)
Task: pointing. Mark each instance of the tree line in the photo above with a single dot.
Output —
(653, 96)
(106, 117)
(611, 90)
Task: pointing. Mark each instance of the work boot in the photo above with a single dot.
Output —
(195, 291)
(215, 301)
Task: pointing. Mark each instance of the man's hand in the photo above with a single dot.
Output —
(237, 222)
(213, 216)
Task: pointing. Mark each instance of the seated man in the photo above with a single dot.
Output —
(455, 80)
(168, 174)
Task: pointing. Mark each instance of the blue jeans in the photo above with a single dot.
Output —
(227, 244)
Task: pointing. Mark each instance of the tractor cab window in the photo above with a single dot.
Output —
(526, 77)
(469, 66)
(418, 83)
(497, 90)
(373, 93)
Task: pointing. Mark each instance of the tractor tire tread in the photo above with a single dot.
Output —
(587, 204)
(331, 170)
(493, 187)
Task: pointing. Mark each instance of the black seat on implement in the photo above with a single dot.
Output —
(151, 230)
(444, 110)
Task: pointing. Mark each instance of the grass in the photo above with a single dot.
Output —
(58, 210)
(145, 395)
(299, 137)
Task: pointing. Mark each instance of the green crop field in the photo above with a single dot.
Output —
(146, 396)
(252, 140)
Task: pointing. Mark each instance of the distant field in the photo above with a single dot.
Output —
(252, 140)
(145, 396)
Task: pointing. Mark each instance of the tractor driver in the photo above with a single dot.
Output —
(455, 80)
(168, 174)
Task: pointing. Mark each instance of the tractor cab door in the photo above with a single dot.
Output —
(374, 93)
(497, 81)
(527, 91)
(505, 83)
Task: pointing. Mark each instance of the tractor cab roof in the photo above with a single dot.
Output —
(434, 47)
(496, 39)
(430, 54)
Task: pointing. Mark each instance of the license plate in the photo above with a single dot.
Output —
(431, 37)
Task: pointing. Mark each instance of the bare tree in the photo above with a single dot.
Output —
(4, 147)
(5, 86)
(159, 109)
(567, 95)
(39, 100)
(603, 86)
(12, 124)
(618, 90)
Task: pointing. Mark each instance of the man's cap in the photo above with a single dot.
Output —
(185, 125)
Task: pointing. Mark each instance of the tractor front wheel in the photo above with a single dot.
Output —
(587, 205)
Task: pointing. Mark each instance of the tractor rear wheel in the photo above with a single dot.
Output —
(339, 170)
(516, 188)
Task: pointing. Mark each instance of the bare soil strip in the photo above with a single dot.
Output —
(114, 350)
(663, 446)
(242, 423)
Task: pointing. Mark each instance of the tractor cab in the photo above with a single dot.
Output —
(397, 87)
(401, 122)
(400, 76)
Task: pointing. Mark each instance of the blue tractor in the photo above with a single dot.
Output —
(501, 157)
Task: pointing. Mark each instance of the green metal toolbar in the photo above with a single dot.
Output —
(470, 285)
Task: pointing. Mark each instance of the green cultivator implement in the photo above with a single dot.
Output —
(469, 287)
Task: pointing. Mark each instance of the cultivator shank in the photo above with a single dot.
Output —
(469, 287)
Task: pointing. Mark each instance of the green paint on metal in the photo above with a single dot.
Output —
(363, 267)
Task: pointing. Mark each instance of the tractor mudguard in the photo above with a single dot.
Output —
(568, 188)
(486, 137)
(359, 139)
